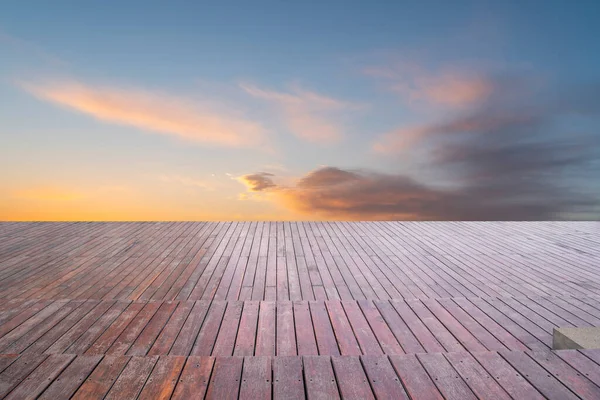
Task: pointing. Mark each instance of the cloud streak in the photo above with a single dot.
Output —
(450, 88)
(309, 115)
(153, 112)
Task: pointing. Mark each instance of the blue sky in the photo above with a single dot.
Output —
(345, 109)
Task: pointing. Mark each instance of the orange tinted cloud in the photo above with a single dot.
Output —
(153, 112)
(309, 115)
(454, 90)
(399, 140)
(450, 88)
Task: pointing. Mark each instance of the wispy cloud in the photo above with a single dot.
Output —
(309, 115)
(450, 88)
(153, 112)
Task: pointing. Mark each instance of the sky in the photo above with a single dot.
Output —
(279, 110)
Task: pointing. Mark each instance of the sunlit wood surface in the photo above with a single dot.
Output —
(295, 310)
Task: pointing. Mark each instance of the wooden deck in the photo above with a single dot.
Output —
(314, 310)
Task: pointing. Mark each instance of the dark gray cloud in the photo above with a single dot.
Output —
(373, 195)
(258, 182)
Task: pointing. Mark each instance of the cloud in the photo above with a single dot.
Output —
(257, 182)
(492, 120)
(522, 154)
(153, 112)
(334, 193)
(309, 115)
(450, 88)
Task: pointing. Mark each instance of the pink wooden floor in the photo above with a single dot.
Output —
(297, 310)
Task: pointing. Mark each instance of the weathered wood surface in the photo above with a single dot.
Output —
(316, 310)
(299, 260)
(281, 328)
(427, 376)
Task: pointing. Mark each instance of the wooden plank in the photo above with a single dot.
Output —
(91, 334)
(210, 328)
(225, 380)
(265, 336)
(102, 378)
(132, 331)
(401, 331)
(568, 375)
(245, 341)
(582, 364)
(194, 379)
(510, 341)
(510, 324)
(132, 379)
(470, 324)
(228, 330)
(13, 321)
(465, 337)
(384, 381)
(67, 383)
(168, 335)
(537, 376)
(164, 377)
(288, 381)
(592, 354)
(17, 371)
(511, 380)
(352, 381)
(343, 331)
(51, 336)
(103, 343)
(319, 378)
(187, 336)
(423, 335)
(286, 335)
(326, 341)
(148, 335)
(256, 378)
(305, 334)
(6, 360)
(31, 323)
(475, 376)
(384, 335)
(447, 380)
(364, 335)
(41, 377)
(415, 379)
